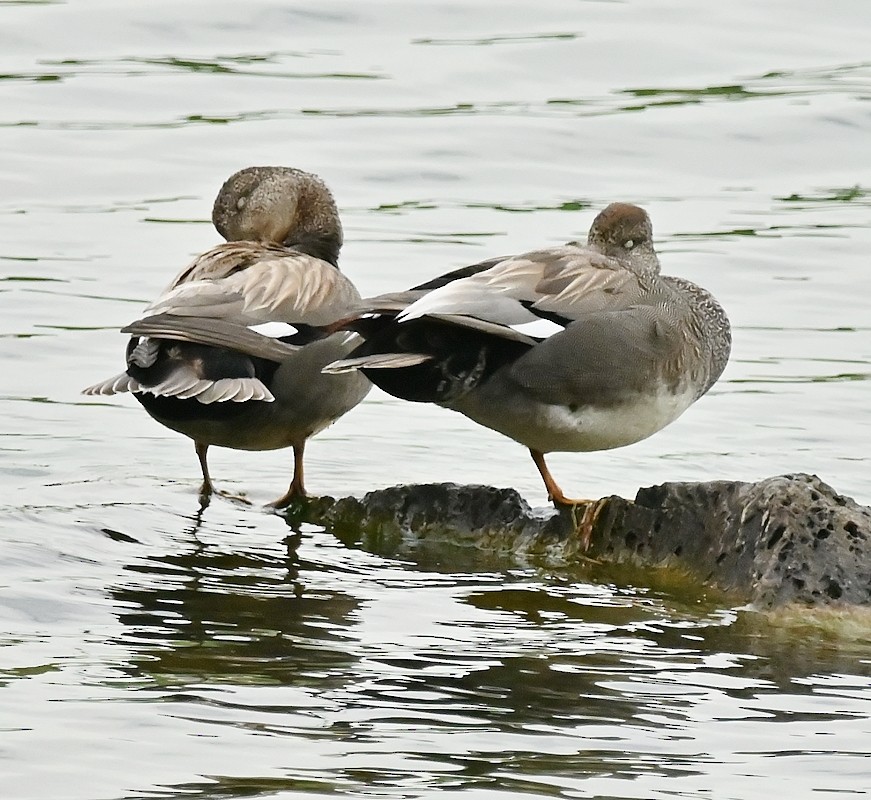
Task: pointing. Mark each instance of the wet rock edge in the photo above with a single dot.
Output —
(788, 539)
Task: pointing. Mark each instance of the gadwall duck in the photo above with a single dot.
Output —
(571, 348)
(231, 353)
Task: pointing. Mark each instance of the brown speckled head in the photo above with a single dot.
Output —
(623, 231)
(281, 205)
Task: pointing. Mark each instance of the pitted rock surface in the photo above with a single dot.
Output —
(786, 539)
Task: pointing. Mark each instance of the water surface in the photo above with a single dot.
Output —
(152, 649)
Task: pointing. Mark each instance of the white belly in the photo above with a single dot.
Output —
(550, 428)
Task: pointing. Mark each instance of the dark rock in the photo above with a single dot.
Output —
(786, 539)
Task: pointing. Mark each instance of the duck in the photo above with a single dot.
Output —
(231, 353)
(575, 348)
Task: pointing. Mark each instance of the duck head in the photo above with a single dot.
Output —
(279, 205)
(624, 232)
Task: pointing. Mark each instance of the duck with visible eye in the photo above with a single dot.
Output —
(231, 353)
(572, 348)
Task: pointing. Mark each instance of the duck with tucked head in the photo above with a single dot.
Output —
(231, 353)
(571, 348)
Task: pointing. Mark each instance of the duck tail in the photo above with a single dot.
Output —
(117, 385)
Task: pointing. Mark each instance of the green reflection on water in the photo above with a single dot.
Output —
(220, 65)
(515, 208)
(8, 674)
(837, 378)
(171, 221)
(29, 278)
(733, 91)
(838, 195)
(30, 76)
(500, 39)
(406, 204)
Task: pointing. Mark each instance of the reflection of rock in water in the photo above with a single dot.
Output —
(787, 539)
(793, 642)
(217, 616)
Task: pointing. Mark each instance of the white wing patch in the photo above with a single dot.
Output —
(274, 330)
(539, 328)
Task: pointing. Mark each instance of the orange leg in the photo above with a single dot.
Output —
(592, 508)
(296, 489)
(554, 493)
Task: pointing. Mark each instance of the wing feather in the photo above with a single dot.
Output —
(114, 385)
(376, 361)
(513, 296)
(217, 333)
(249, 283)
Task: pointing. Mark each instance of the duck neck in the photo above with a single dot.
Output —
(319, 232)
(710, 327)
(323, 247)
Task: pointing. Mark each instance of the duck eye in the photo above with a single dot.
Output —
(241, 203)
(629, 244)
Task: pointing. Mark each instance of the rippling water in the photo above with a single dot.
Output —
(152, 649)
